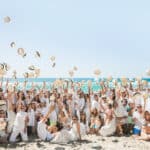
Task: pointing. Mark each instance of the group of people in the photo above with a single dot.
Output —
(65, 113)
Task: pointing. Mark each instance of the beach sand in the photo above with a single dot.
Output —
(90, 142)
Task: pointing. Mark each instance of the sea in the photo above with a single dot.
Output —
(95, 82)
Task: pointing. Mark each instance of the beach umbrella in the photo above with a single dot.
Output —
(32, 67)
(7, 19)
(148, 72)
(37, 54)
(12, 44)
(52, 58)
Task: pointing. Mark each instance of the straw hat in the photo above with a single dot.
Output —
(138, 78)
(32, 67)
(2, 66)
(21, 52)
(52, 58)
(37, 54)
(2, 73)
(7, 19)
(37, 72)
(3, 105)
(2, 102)
(97, 72)
(71, 73)
(124, 81)
(31, 75)
(89, 82)
(10, 88)
(52, 98)
(26, 75)
(7, 67)
(148, 72)
(109, 78)
(53, 65)
(75, 68)
(14, 74)
(12, 44)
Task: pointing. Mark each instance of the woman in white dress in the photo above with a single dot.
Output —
(109, 127)
(65, 136)
(10, 112)
(87, 108)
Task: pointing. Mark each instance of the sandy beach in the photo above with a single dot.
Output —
(90, 142)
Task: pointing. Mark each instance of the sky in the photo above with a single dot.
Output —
(111, 35)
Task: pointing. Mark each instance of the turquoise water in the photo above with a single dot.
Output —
(53, 79)
(95, 85)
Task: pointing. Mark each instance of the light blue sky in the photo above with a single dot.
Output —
(113, 35)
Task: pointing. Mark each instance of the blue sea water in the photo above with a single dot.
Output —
(53, 79)
(39, 82)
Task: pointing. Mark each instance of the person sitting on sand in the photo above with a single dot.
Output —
(44, 131)
(96, 122)
(74, 134)
(109, 127)
(145, 133)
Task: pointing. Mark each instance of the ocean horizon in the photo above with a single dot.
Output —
(73, 79)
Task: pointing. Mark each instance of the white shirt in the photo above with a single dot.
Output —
(147, 107)
(139, 118)
(81, 103)
(19, 123)
(120, 110)
(31, 115)
(95, 104)
(41, 130)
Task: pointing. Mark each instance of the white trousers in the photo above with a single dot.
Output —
(15, 133)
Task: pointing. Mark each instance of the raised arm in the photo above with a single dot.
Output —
(51, 109)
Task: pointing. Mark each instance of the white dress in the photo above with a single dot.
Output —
(65, 136)
(108, 129)
(11, 119)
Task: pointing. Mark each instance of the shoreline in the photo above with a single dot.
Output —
(89, 142)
